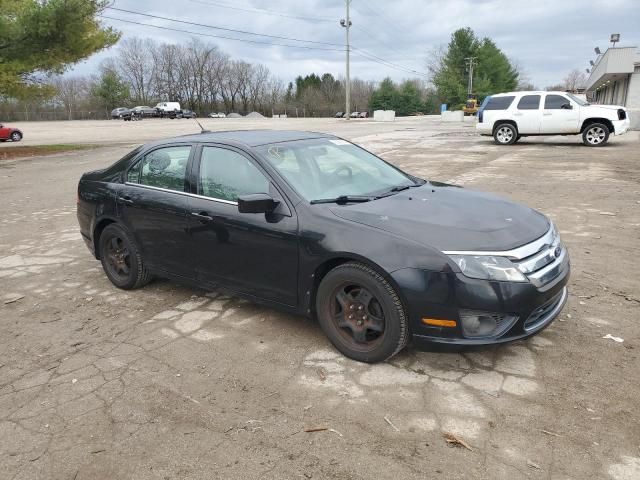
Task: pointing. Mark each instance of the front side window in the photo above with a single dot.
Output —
(529, 102)
(226, 174)
(499, 103)
(324, 168)
(555, 102)
(162, 168)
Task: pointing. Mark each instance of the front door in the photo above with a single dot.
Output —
(528, 115)
(153, 204)
(560, 115)
(252, 253)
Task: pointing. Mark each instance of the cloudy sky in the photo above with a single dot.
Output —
(547, 38)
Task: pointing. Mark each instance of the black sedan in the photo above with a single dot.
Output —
(316, 225)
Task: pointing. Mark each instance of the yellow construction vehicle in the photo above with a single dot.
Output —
(471, 107)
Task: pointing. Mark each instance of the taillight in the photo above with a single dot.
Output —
(621, 114)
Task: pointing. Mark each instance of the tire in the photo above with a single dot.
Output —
(16, 137)
(595, 135)
(505, 134)
(354, 287)
(121, 259)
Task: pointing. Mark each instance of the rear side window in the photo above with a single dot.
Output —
(529, 102)
(225, 175)
(555, 102)
(499, 103)
(162, 168)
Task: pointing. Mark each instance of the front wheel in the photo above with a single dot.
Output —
(361, 313)
(121, 259)
(505, 134)
(595, 135)
(16, 136)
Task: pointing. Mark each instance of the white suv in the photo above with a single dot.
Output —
(509, 116)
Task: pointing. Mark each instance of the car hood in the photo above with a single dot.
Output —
(603, 108)
(450, 218)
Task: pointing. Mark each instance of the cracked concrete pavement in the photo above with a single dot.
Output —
(169, 382)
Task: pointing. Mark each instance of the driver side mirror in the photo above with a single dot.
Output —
(567, 106)
(257, 203)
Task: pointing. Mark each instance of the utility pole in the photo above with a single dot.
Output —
(470, 62)
(347, 24)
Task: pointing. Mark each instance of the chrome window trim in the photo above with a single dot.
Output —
(515, 254)
(219, 200)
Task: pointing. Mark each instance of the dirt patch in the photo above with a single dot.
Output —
(40, 150)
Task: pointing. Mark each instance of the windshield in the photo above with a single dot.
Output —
(323, 168)
(578, 100)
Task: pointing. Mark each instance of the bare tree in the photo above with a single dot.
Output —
(135, 64)
(574, 80)
(70, 92)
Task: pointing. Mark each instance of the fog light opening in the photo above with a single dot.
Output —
(484, 324)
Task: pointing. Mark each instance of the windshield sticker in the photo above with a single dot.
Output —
(339, 142)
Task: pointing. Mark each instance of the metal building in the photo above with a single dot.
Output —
(615, 80)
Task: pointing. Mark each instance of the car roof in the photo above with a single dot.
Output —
(250, 138)
(529, 92)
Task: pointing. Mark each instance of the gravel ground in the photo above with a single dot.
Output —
(169, 382)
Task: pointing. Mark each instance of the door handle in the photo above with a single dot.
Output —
(517, 114)
(547, 114)
(202, 216)
(126, 200)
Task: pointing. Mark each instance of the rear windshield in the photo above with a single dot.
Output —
(499, 103)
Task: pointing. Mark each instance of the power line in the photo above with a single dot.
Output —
(382, 61)
(160, 27)
(265, 11)
(221, 28)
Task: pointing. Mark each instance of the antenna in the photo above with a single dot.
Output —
(202, 129)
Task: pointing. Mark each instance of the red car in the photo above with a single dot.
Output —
(8, 133)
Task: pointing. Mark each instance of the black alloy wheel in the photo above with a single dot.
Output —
(360, 312)
(121, 259)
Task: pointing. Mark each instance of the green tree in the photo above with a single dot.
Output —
(409, 99)
(110, 90)
(46, 36)
(386, 97)
(493, 73)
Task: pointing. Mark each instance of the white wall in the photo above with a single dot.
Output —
(633, 100)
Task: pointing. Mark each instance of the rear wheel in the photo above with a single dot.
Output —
(595, 135)
(121, 259)
(16, 136)
(361, 313)
(505, 134)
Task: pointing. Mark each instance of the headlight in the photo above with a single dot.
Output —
(488, 268)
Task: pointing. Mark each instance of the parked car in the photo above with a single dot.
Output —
(363, 115)
(339, 115)
(510, 116)
(377, 255)
(354, 114)
(217, 115)
(168, 107)
(118, 113)
(10, 133)
(144, 111)
(187, 114)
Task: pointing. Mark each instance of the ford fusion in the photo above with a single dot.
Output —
(318, 226)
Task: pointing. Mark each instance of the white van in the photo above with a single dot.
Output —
(168, 107)
(509, 116)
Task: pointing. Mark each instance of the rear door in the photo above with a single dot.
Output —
(152, 203)
(560, 115)
(528, 115)
(249, 252)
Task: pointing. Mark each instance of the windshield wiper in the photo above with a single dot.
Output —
(396, 189)
(342, 199)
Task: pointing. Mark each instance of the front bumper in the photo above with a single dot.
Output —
(449, 295)
(622, 126)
